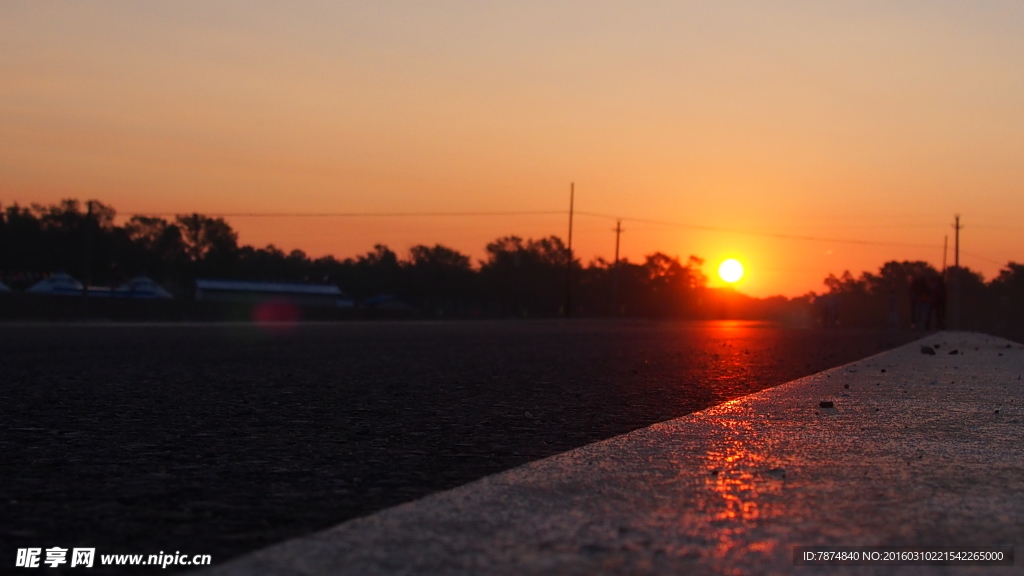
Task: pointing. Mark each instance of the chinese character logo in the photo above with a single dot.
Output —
(55, 556)
(82, 557)
(28, 557)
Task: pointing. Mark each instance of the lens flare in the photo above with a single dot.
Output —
(731, 270)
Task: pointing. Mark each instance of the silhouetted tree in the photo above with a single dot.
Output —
(377, 272)
(672, 286)
(204, 236)
(1006, 309)
(525, 278)
(439, 279)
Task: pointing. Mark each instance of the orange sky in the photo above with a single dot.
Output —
(863, 120)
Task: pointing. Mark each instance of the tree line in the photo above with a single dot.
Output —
(517, 278)
(868, 300)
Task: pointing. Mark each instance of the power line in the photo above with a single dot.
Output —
(352, 214)
(543, 213)
(1007, 228)
(762, 234)
(979, 257)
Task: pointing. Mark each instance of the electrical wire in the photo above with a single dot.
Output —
(979, 257)
(354, 214)
(685, 225)
(762, 234)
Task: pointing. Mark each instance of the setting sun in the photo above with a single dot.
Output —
(731, 270)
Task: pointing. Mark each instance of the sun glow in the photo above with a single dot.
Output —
(731, 270)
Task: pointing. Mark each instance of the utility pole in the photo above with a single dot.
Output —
(618, 231)
(568, 264)
(945, 248)
(956, 252)
(955, 280)
(615, 270)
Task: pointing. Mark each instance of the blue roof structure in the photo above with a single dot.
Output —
(268, 287)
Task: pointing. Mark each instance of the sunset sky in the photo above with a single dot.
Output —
(863, 120)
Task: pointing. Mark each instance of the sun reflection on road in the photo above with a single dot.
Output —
(739, 482)
(731, 346)
(731, 475)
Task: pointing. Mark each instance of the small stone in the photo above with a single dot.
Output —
(1007, 345)
(936, 346)
(997, 411)
(846, 385)
(528, 414)
(883, 370)
(826, 404)
(953, 352)
(928, 350)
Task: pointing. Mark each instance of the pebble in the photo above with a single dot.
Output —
(826, 404)
(528, 414)
(928, 350)
(953, 352)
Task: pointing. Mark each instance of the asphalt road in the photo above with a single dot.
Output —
(219, 439)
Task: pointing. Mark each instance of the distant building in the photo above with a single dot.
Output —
(253, 292)
(59, 284)
(142, 287)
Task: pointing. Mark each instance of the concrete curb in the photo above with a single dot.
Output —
(913, 452)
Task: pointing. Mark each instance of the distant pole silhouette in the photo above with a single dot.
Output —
(618, 231)
(568, 265)
(615, 270)
(945, 248)
(956, 272)
(956, 252)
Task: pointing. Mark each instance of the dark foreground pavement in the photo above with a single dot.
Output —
(920, 456)
(219, 439)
